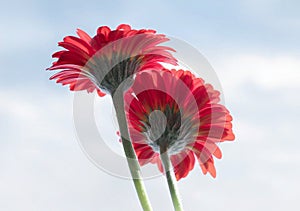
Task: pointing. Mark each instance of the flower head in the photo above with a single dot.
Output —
(105, 61)
(176, 113)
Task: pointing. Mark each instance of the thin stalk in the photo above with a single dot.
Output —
(118, 101)
(170, 176)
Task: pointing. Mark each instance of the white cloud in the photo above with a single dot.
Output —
(270, 72)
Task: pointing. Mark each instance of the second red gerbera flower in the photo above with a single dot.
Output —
(177, 113)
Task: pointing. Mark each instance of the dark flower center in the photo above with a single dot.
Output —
(111, 72)
(165, 129)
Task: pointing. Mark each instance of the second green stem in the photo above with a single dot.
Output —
(164, 156)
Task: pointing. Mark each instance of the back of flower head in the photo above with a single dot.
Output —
(178, 114)
(104, 62)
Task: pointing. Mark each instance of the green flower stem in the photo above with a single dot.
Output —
(172, 183)
(118, 101)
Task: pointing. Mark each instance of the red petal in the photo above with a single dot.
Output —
(183, 163)
(124, 27)
(84, 36)
(105, 30)
(80, 44)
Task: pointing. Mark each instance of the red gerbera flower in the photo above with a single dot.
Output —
(179, 114)
(103, 62)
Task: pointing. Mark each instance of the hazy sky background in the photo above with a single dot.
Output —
(252, 45)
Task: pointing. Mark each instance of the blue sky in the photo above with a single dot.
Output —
(254, 49)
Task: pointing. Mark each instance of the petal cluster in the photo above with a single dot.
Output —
(180, 113)
(104, 61)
